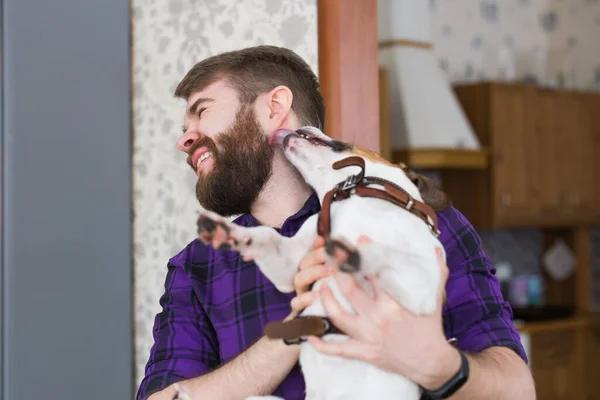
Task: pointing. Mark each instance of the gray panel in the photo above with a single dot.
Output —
(67, 218)
(2, 281)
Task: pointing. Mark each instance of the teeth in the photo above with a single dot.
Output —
(203, 157)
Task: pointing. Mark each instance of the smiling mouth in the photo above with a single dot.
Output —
(202, 158)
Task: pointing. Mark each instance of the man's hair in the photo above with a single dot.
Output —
(256, 70)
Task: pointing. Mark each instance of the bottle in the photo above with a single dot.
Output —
(504, 275)
(534, 290)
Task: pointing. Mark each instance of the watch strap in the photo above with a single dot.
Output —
(453, 384)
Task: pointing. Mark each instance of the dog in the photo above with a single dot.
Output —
(401, 253)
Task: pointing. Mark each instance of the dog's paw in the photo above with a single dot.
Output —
(219, 233)
(343, 255)
(214, 230)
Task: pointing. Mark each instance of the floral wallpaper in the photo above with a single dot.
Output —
(554, 42)
(168, 37)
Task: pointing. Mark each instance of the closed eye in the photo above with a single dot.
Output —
(338, 146)
(199, 112)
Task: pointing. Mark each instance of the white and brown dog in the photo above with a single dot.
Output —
(391, 205)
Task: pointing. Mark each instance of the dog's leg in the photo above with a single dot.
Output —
(277, 256)
(410, 278)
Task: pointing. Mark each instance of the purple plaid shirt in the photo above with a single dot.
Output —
(216, 305)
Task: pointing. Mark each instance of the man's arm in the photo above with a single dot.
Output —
(481, 320)
(495, 373)
(380, 337)
(255, 372)
(185, 352)
(185, 343)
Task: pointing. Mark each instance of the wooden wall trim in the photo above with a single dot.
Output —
(348, 70)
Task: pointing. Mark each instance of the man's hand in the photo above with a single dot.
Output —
(312, 268)
(381, 326)
(381, 332)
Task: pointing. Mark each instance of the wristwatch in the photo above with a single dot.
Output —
(453, 384)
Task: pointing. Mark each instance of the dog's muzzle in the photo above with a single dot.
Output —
(287, 138)
(305, 134)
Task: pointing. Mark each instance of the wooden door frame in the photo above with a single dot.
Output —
(349, 70)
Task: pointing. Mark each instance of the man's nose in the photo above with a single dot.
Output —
(187, 140)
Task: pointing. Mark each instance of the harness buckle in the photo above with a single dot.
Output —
(349, 183)
(435, 232)
(291, 342)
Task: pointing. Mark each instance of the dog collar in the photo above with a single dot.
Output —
(295, 330)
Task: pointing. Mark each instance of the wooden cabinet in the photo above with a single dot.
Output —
(511, 144)
(542, 145)
(558, 365)
(557, 359)
(592, 103)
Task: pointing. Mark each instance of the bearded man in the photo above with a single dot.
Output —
(208, 337)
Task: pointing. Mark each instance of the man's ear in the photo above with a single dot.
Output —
(275, 107)
(433, 196)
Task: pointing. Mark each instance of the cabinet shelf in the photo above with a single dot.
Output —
(442, 158)
(552, 325)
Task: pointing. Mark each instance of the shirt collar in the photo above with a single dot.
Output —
(292, 224)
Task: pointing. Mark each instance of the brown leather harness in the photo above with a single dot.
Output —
(292, 331)
(359, 184)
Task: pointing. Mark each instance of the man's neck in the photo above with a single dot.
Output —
(284, 194)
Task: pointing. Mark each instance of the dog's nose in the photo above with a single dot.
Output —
(286, 139)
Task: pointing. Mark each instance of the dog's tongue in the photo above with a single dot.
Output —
(278, 136)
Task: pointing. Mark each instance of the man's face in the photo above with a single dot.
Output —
(227, 148)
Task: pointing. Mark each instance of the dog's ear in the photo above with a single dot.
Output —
(433, 196)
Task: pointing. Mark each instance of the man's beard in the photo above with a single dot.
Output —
(241, 166)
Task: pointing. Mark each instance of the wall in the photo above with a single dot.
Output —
(65, 269)
(467, 35)
(168, 38)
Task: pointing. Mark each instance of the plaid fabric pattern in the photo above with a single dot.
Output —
(215, 305)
